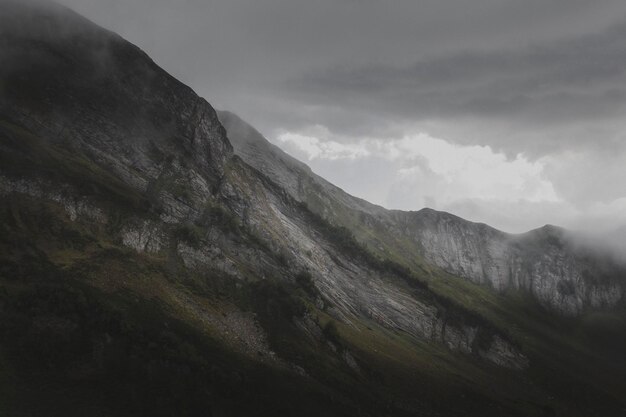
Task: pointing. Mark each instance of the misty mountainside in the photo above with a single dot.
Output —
(550, 263)
(157, 258)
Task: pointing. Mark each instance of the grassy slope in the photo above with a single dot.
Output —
(579, 359)
(84, 317)
(45, 256)
(48, 263)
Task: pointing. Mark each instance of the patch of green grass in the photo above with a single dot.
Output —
(189, 233)
(24, 155)
(305, 281)
(345, 242)
(216, 215)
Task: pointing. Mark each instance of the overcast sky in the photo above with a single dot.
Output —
(507, 112)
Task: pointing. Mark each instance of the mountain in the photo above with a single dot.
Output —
(547, 263)
(158, 258)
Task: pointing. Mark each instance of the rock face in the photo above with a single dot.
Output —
(86, 114)
(547, 262)
(293, 175)
(64, 79)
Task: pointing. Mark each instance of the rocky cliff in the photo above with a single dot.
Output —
(547, 262)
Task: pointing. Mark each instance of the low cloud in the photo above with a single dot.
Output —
(419, 170)
(514, 194)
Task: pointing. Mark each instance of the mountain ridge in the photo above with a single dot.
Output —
(446, 240)
(253, 136)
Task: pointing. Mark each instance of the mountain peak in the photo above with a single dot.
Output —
(69, 80)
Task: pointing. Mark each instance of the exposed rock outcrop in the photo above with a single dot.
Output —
(545, 262)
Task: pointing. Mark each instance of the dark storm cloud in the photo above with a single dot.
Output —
(396, 58)
(569, 81)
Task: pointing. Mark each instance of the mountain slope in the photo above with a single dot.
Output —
(546, 262)
(145, 269)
